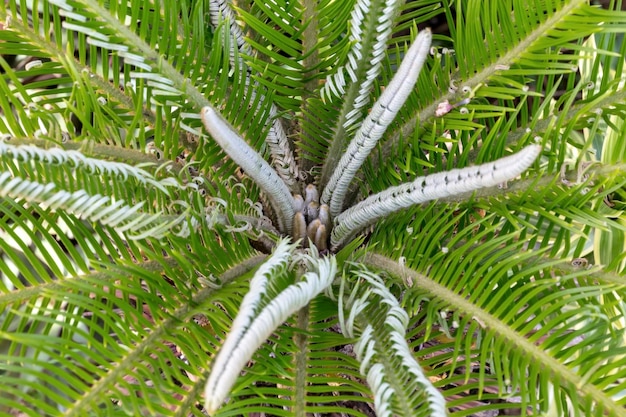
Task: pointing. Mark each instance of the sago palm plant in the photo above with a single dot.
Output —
(312, 208)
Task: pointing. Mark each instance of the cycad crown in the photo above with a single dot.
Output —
(350, 237)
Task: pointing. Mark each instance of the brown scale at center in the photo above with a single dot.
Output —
(311, 223)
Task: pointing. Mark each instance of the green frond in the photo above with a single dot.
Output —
(144, 77)
(146, 316)
(135, 245)
(276, 139)
(276, 52)
(504, 65)
(521, 314)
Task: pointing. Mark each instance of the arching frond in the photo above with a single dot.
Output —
(248, 335)
(505, 301)
(375, 124)
(499, 58)
(143, 324)
(430, 188)
(130, 237)
(382, 350)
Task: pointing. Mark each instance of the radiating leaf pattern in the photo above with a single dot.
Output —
(159, 161)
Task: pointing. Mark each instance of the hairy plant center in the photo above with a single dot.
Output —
(311, 222)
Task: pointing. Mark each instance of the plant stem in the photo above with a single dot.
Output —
(301, 359)
(310, 61)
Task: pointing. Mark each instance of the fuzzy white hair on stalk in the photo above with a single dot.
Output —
(428, 188)
(253, 164)
(375, 124)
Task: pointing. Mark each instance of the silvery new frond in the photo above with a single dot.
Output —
(247, 335)
(233, 354)
(62, 157)
(253, 164)
(282, 155)
(370, 348)
(431, 187)
(374, 126)
(258, 287)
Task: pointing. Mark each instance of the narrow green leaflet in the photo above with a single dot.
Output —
(294, 208)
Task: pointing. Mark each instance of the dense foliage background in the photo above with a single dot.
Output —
(128, 237)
